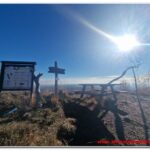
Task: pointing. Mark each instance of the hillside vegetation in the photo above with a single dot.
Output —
(71, 120)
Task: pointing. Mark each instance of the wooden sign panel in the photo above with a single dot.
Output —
(56, 70)
(17, 75)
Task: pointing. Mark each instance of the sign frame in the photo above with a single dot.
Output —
(16, 64)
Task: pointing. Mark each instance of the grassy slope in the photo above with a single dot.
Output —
(50, 127)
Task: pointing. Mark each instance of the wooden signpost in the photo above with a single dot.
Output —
(56, 71)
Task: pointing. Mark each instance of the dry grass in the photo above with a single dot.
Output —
(48, 126)
(27, 134)
(36, 127)
(67, 130)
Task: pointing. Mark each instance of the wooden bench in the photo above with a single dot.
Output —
(103, 89)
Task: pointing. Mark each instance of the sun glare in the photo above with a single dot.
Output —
(126, 43)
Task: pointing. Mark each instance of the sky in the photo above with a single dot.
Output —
(45, 33)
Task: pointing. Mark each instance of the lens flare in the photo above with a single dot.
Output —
(126, 42)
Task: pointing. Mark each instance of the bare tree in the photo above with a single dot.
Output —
(123, 73)
(37, 84)
(37, 89)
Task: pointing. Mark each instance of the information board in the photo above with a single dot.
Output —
(17, 76)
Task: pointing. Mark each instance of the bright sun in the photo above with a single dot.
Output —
(126, 43)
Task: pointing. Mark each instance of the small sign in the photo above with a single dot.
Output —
(17, 75)
(58, 70)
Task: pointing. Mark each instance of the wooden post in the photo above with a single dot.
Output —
(37, 84)
(56, 71)
(83, 90)
(37, 95)
(56, 80)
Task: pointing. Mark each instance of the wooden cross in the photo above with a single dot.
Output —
(56, 71)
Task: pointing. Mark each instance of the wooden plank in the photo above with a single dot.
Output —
(121, 91)
(93, 84)
(95, 93)
(56, 70)
(18, 62)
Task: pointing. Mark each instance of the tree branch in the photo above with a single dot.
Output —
(124, 72)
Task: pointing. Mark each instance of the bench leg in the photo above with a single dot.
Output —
(83, 91)
(113, 92)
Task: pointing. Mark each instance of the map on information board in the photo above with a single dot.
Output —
(17, 77)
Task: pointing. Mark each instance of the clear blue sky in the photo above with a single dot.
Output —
(45, 33)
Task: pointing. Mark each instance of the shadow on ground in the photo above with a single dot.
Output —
(89, 127)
